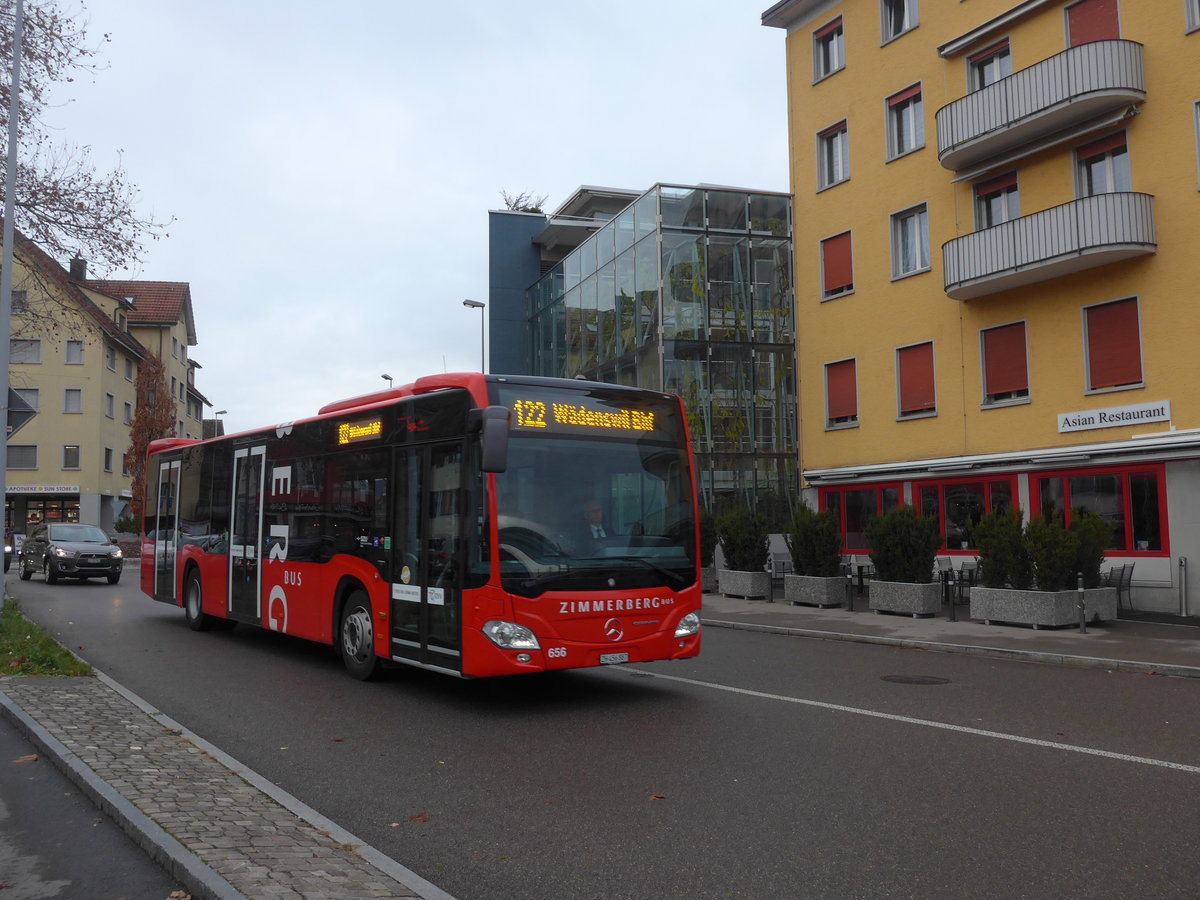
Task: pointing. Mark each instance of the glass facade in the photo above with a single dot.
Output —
(689, 290)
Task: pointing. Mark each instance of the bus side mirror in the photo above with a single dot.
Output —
(493, 438)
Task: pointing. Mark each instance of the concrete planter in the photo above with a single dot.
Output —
(708, 579)
(904, 597)
(1048, 609)
(748, 585)
(814, 590)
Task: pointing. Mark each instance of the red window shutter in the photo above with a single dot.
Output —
(988, 51)
(1003, 183)
(828, 29)
(841, 389)
(1114, 344)
(906, 94)
(1004, 367)
(837, 263)
(1106, 144)
(916, 379)
(1093, 20)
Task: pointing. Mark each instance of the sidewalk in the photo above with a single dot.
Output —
(1123, 644)
(217, 827)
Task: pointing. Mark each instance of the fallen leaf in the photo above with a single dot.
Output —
(339, 740)
(657, 797)
(420, 817)
(32, 757)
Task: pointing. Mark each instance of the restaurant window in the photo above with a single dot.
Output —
(996, 201)
(906, 125)
(958, 506)
(854, 507)
(1005, 364)
(989, 65)
(1114, 348)
(833, 156)
(841, 394)
(837, 266)
(1130, 499)
(916, 394)
(1103, 166)
(829, 49)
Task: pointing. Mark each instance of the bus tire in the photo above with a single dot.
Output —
(193, 610)
(356, 637)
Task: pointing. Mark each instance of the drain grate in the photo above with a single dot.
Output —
(915, 679)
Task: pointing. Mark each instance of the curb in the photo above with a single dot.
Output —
(1035, 656)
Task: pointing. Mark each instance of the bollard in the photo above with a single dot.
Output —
(1082, 608)
(849, 592)
(948, 593)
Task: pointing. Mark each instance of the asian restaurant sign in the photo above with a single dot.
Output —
(1114, 416)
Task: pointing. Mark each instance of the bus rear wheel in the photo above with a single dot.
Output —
(356, 636)
(193, 610)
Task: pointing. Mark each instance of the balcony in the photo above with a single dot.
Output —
(1082, 234)
(1067, 90)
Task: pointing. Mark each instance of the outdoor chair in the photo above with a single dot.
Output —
(1123, 585)
(965, 579)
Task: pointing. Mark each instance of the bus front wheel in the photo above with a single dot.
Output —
(357, 637)
(193, 609)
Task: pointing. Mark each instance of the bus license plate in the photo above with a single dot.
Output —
(608, 659)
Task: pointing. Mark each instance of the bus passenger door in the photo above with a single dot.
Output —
(245, 534)
(427, 578)
(166, 531)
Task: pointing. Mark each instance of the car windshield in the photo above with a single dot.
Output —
(83, 534)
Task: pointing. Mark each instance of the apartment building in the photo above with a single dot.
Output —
(995, 282)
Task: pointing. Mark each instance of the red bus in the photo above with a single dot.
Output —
(446, 524)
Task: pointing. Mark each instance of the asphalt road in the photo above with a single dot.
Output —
(770, 766)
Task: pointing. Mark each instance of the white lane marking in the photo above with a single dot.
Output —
(929, 723)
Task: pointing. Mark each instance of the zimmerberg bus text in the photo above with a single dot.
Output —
(622, 605)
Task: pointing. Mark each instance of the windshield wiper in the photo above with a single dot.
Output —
(678, 579)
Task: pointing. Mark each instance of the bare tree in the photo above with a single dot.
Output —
(523, 202)
(154, 419)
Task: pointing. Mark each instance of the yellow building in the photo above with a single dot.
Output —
(75, 348)
(995, 282)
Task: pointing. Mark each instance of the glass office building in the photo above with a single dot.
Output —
(687, 290)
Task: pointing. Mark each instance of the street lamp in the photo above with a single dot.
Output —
(475, 304)
(387, 378)
(220, 412)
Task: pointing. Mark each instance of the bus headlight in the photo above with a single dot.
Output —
(511, 636)
(687, 626)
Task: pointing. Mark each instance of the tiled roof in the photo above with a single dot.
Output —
(154, 302)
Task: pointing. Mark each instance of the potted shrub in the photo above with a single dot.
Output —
(744, 543)
(904, 547)
(815, 544)
(1039, 583)
(708, 549)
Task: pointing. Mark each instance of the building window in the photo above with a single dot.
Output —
(1192, 11)
(108, 458)
(910, 241)
(1103, 166)
(175, 347)
(110, 358)
(1092, 20)
(128, 369)
(20, 303)
(853, 507)
(989, 66)
(1131, 499)
(183, 391)
(829, 49)
(22, 456)
(996, 201)
(110, 403)
(1114, 345)
(70, 456)
(74, 353)
(898, 16)
(21, 350)
(914, 381)
(128, 420)
(959, 504)
(73, 400)
(29, 395)
(124, 463)
(833, 155)
(906, 126)
(1005, 364)
(173, 383)
(841, 394)
(837, 266)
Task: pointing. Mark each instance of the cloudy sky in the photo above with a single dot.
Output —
(329, 167)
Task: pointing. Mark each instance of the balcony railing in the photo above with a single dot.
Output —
(1082, 234)
(1067, 89)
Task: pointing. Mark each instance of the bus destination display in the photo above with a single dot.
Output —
(567, 416)
(362, 430)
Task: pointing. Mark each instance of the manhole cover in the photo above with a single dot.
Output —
(915, 679)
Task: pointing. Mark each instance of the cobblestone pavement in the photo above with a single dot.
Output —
(219, 828)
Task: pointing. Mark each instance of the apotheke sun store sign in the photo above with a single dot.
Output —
(1114, 416)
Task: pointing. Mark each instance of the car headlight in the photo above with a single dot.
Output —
(116, 554)
(688, 625)
(60, 552)
(511, 636)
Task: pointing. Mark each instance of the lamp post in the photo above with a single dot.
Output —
(475, 304)
(387, 378)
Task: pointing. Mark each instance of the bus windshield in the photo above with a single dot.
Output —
(584, 513)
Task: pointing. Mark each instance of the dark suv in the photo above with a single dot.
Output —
(70, 551)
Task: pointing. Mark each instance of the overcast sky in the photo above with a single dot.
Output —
(329, 166)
